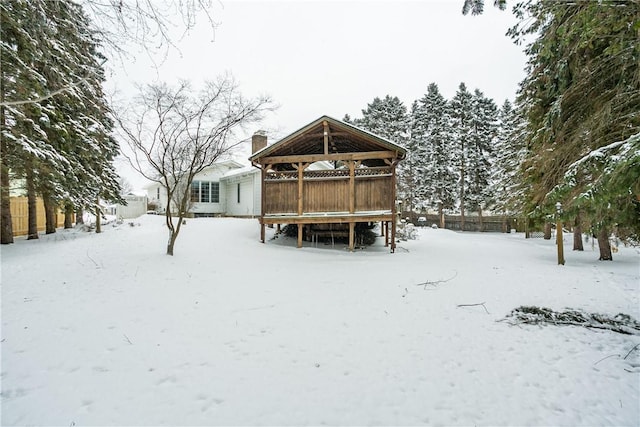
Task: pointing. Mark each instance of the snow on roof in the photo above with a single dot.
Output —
(241, 171)
(235, 165)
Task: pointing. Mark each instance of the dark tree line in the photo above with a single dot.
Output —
(56, 130)
(572, 136)
(451, 144)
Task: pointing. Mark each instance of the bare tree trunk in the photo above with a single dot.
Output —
(50, 215)
(172, 241)
(577, 234)
(79, 216)
(98, 216)
(462, 173)
(547, 231)
(604, 245)
(68, 215)
(6, 236)
(32, 214)
(172, 232)
(480, 224)
(441, 215)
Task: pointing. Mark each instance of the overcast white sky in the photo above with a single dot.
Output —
(331, 57)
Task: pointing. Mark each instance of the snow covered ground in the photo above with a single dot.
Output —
(104, 329)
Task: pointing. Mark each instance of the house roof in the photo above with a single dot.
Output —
(231, 164)
(343, 138)
(241, 171)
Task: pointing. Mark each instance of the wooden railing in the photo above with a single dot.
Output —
(329, 174)
(329, 194)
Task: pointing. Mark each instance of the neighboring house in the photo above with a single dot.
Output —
(136, 206)
(208, 196)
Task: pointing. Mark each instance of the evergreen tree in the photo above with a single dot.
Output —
(461, 106)
(480, 151)
(476, 7)
(389, 119)
(55, 120)
(436, 176)
(581, 95)
(86, 126)
(23, 41)
(510, 151)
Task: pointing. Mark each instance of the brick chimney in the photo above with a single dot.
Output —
(258, 141)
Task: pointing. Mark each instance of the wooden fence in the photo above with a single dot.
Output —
(533, 228)
(20, 216)
(472, 223)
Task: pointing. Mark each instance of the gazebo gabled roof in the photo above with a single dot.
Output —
(342, 138)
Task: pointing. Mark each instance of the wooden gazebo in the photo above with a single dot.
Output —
(360, 187)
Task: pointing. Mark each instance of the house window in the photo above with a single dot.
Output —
(205, 192)
(195, 191)
(215, 192)
(158, 193)
(238, 192)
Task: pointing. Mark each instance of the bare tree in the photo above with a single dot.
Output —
(126, 26)
(174, 133)
(125, 186)
(153, 26)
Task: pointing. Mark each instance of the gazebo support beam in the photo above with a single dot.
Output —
(352, 235)
(311, 158)
(325, 126)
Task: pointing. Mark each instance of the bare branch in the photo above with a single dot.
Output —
(473, 305)
(63, 89)
(436, 282)
(149, 24)
(631, 351)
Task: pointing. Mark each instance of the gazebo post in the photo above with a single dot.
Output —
(263, 198)
(393, 237)
(300, 227)
(394, 218)
(386, 234)
(352, 232)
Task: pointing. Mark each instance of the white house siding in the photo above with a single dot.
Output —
(211, 174)
(257, 193)
(249, 204)
(136, 206)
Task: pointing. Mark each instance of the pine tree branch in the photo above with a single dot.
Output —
(51, 94)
